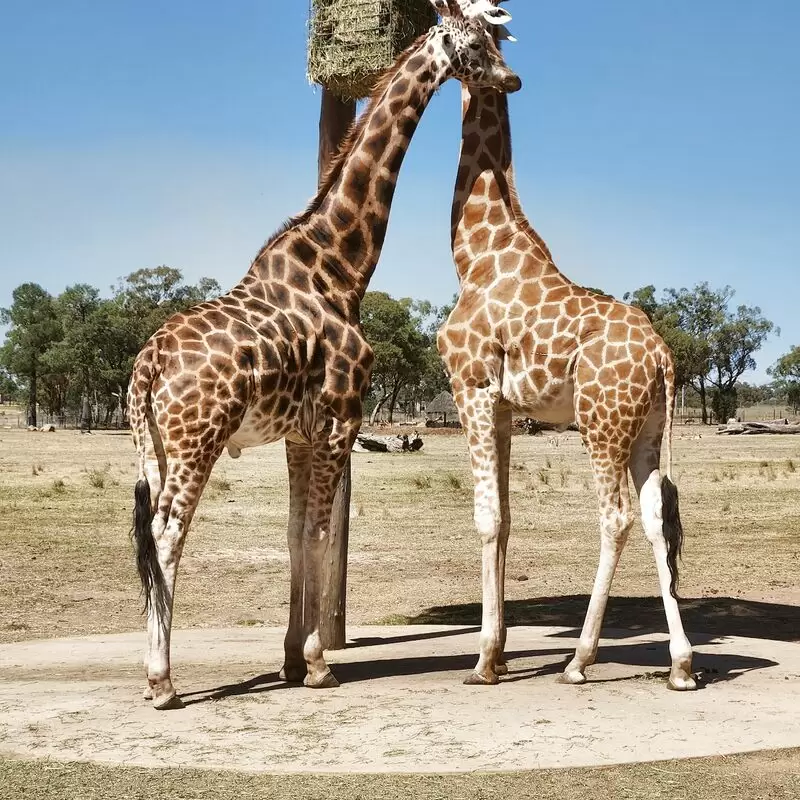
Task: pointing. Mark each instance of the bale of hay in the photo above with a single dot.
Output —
(350, 42)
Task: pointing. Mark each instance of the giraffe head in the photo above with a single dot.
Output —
(465, 40)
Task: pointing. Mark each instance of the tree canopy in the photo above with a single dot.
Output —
(712, 344)
(75, 352)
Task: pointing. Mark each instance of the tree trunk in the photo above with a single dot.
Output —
(377, 410)
(336, 117)
(393, 401)
(32, 400)
(86, 411)
(703, 403)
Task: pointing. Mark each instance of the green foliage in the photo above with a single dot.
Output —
(403, 335)
(34, 327)
(786, 371)
(77, 351)
(713, 346)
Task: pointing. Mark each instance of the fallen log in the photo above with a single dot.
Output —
(370, 443)
(756, 428)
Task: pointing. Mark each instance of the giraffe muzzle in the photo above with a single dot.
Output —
(511, 83)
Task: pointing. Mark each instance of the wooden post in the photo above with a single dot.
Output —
(336, 117)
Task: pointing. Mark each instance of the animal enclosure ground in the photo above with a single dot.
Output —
(66, 565)
(66, 568)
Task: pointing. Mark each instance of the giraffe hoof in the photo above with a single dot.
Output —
(147, 694)
(168, 702)
(571, 677)
(476, 679)
(501, 669)
(679, 683)
(293, 673)
(327, 681)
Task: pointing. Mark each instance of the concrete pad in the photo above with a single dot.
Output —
(401, 706)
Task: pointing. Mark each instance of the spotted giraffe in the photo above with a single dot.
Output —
(282, 355)
(522, 337)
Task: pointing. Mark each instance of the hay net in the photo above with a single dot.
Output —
(350, 42)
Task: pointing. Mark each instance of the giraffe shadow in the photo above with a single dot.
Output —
(714, 668)
(714, 617)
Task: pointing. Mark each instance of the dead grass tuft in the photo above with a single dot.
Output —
(422, 481)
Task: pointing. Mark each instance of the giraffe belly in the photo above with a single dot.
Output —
(260, 427)
(551, 402)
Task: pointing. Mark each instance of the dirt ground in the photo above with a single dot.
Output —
(66, 565)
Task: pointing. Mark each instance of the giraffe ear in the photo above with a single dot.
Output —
(504, 34)
(447, 8)
(496, 16)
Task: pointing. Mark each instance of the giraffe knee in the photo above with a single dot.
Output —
(487, 523)
(615, 527)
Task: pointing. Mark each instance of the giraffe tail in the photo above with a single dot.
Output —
(142, 423)
(671, 518)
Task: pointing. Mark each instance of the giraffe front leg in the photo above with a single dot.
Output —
(298, 458)
(504, 463)
(478, 409)
(331, 449)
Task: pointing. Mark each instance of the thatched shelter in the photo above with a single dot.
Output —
(441, 405)
(350, 42)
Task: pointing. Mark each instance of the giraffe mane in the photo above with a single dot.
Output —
(334, 170)
(513, 195)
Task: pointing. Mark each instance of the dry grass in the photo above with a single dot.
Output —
(756, 776)
(67, 566)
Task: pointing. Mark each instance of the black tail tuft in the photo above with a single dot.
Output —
(673, 531)
(146, 555)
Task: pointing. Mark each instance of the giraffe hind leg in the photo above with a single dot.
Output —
(615, 525)
(298, 458)
(661, 522)
(182, 490)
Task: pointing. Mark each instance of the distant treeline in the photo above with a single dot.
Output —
(72, 355)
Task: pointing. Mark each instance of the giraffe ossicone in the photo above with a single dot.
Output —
(523, 338)
(282, 355)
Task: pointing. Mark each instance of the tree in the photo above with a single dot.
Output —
(34, 327)
(153, 295)
(9, 388)
(733, 343)
(787, 372)
(689, 349)
(77, 355)
(712, 346)
(394, 333)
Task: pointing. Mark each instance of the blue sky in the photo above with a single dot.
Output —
(653, 142)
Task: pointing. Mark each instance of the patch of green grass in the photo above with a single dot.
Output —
(249, 623)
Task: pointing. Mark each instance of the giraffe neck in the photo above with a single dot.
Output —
(486, 212)
(341, 234)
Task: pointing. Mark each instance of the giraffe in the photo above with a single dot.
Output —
(282, 355)
(522, 337)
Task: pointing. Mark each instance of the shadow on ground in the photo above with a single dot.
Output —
(716, 616)
(650, 658)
